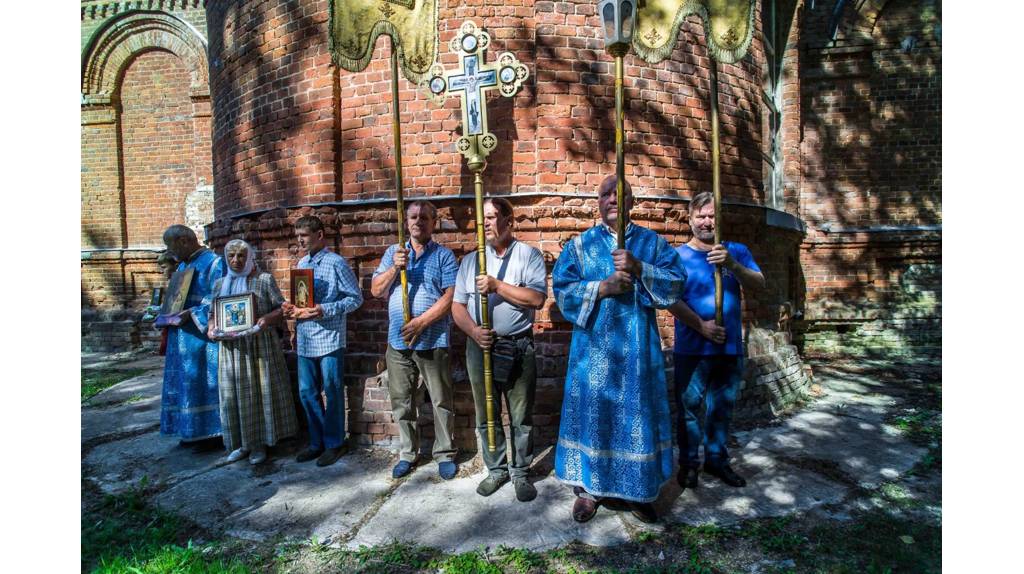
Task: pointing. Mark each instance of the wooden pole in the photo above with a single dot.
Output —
(715, 186)
(485, 321)
(620, 159)
(396, 130)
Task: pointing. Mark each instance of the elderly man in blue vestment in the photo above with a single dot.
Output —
(190, 407)
(615, 436)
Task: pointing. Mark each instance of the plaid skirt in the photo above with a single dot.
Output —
(256, 404)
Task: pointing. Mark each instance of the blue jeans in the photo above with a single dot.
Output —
(715, 378)
(323, 374)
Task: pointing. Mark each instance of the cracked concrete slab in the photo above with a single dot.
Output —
(282, 497)
(450, 515)
(773, 489)
(119, 465)
(146, 385)
(805, 462)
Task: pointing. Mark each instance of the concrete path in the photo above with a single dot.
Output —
(834, 448)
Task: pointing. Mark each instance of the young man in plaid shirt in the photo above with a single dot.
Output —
(420, 347)
(321, 342)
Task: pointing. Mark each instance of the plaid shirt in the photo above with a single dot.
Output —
(336, 291)
(429, 275)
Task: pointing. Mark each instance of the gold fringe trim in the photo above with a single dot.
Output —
(719, 53)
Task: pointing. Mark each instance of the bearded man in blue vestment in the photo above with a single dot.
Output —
(615, 435)
(190, 406)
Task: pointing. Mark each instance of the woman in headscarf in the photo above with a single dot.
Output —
(256, 405)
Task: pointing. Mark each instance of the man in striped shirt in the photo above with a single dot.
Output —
(321, 342)
(420, 347)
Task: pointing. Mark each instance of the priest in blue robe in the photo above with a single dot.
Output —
(615, 436)
(190, 406)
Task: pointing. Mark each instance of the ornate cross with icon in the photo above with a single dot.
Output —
(471, 81)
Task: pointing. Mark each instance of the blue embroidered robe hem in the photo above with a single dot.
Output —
(615, 435)
(190, 405)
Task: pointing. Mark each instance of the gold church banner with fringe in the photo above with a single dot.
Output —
(412, 24)
(728, 26)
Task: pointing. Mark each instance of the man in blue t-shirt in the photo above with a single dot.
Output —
(709, 357)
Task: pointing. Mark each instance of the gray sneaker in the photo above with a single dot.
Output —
(525, 492)
(490, 485)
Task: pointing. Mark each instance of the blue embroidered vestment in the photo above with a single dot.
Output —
(615, 436)
(190, 407)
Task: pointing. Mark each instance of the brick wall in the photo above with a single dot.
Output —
(291, 130)
(871, 187)
(159, 162)
(146, 129)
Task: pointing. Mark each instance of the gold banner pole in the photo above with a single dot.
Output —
(715, 186)
(485, 320)
(620, 159)
(473, 78)
(396, 130)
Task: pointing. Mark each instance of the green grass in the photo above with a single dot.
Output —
(123, 534)
(466, 563)
(876, 543)
(522, 560)
(95, 380)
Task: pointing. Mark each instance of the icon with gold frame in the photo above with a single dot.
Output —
(302, 288)
(235, 313)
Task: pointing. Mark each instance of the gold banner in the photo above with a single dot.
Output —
(728, 26)
(412, 24)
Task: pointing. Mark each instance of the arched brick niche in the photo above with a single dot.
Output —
(145, 157)
(293, 135)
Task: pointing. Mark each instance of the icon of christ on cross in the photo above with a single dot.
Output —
(471, 82)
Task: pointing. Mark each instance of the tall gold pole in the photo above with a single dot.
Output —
(485, 321)
(715, 188)
(396, 130)
(620, 159)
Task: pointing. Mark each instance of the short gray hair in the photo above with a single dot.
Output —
(178, 232)
(700, 200)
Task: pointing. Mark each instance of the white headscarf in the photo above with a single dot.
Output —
(237, 282)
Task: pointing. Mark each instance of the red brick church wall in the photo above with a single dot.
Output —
(295, 135)
(146, 131)
(871, 188)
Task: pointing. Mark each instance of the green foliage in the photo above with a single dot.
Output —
(466, 563)
(170, 559)
(775, 535)
(645, 536)
(95, 380)
(522, 560)
(122, 534)
(395, 554)
(877, 543)
(921, 427)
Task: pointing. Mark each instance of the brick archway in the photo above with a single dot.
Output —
(123, 38)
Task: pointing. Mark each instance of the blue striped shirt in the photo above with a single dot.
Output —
(336, 291)
(429, 275)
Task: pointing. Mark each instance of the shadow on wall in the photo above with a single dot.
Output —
(872, 159)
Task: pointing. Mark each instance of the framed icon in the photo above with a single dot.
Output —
(156, 297)
(177, 292)
(235, 312)
(302, 288)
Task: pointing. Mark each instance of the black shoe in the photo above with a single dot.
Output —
(525, 492)
(331, 455)
(308, 454)
(687, 478)
(644, 511)
(491, 484)
(726, 474)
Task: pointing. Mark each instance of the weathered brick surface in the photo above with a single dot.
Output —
(146, 130)
(295, 135)
(871, 187)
